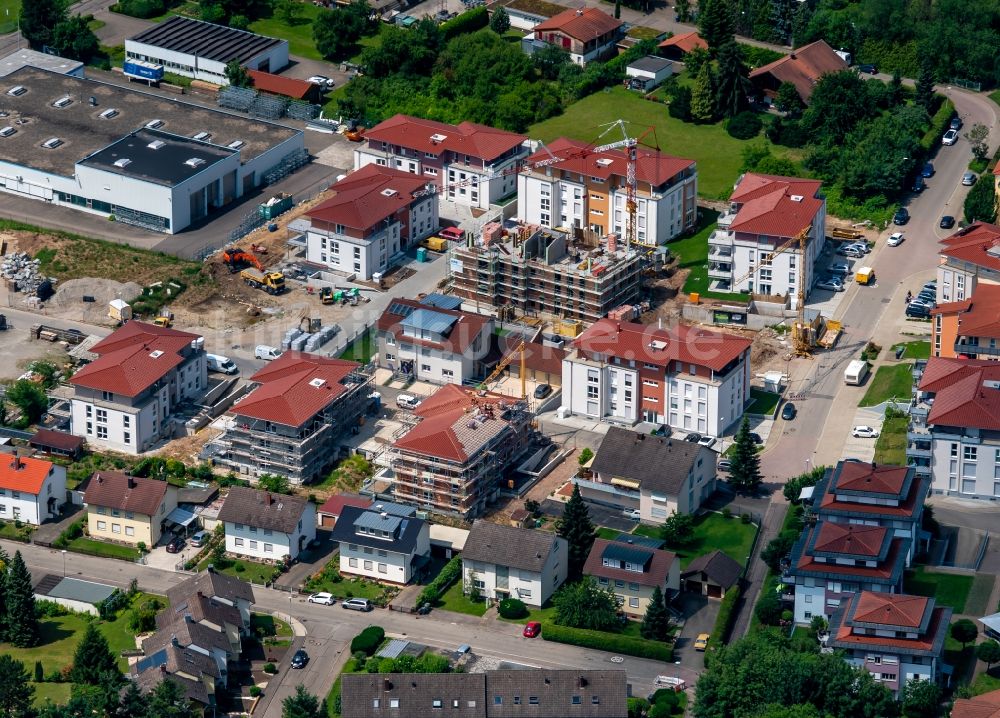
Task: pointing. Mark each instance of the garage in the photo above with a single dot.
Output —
(711, 575)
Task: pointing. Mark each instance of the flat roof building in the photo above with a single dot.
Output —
(150, 161)
(201, 50)
(43, 61)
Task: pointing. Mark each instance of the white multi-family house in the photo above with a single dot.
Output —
(509, 562)
(468, 164)
(262, 525)
(967, 258)
(689, 378)
(125, 400)
(31, 490)
(385, 542)
(374, 214)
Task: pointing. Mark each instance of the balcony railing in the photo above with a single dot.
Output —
(918, 451)
(962, 347)
(720, 271)
(722, 238)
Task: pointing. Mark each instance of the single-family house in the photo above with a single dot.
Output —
(196, 673)
(648, 72)
(208, 611)
(678, 46)
(896, 638)
(632, 567)
(653, 474)
(128, 509)
(803, 67)
(31, 490)
(217, 586)
(502, 561)
(385, 542)
(712, 574)
(586, 33)
(185, 632)
(262, 525)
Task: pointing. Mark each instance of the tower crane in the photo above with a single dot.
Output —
(504, 363)
(801, 345)
(631, 180)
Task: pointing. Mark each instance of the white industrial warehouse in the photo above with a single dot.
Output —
(147, 160)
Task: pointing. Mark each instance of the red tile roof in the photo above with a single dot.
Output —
(979, 316)
(294, 388)
(336, 503)
(537, 357)
(961, 397)
(115, 490)
(133, 358)
(450, 427)
(651, 166)
(365, 198)
(659, 566)
(583, 24)
(985, 706)
(851, 539)
(803, 67)
(767, 205)
(480, 141)
(279, 85)
(907, 508)
(973, 244)
(883, 571)
(25, 473)
(46, 439)
(464, 332)
(860, 476)
(687, 344)
(908, 613)
(685, 42)
(886, 609)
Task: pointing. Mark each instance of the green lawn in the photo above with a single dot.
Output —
(299, 35)
(267, 625)
(9, 10)
(947, 588)
(914, 350)
(763, 402)
(606, 533)
(712, 531)
(454, 600)
(692, 254)
(347, 587)
(258, 573)
(92, 547)
(977, 603)
(890, 446)
(58, 693)
(361, 349)
(889, 382)
(986, 682)
(995, 96)
(10, 531)
(718, 155)
(544, 615)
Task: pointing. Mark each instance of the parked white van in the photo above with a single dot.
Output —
(407, 401)
(219, 363)
(263, 351)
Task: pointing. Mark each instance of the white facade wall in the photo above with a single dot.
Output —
(532, 587)
(260, 543)
(34, 508)
(891, 663)
(181, 63)
(352, 255)
(252, 171)
(383, 564)
(965, 466)
(810, 600)
(431, 365)
(957, 281)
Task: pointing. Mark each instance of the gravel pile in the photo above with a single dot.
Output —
(23, 270)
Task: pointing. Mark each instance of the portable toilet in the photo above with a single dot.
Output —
(421, 254)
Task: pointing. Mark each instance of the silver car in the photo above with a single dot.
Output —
(950, 137)
(969, 179)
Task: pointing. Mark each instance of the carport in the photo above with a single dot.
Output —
(180, 519)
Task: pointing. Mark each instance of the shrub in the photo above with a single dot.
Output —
(512, 608)
(724, 619)
(586, 455)
(745, 518)
(451, 572)
(744, 126)
(140, 8)
(469, 21)
(50, 609)
(368, 640)
(255, 691)
(939, 123)
(727, 513)
(270, 668)
(608, 642)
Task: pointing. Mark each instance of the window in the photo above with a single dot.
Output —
(498, 700)
(352, 562)
(576, 700)
(127, 437)
(101, 510)
(394, 703)
(633, 602)
(369, 550)
(533, 700)
(238, 541)
(425, 367)
(375, 703)
(129, 531)
(116, 528)
(382, 553)
(595, 700)
(101, 525)
(268, 532)
(436, 703)
(239, 527)
(382, 568)
(368, 565)
(517, 700)
(102, 432)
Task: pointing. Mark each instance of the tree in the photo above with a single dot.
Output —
(4, 572)
(964, 631)
(715, 23)
(15, 690)
(677, 530)
(683, 10)
(550, 60)
(695, 60)
(703, 95)
(656, 623)
(989, 653)
(239, 22)
(237, 75)
(93, 658)
(618, 9)
(793, 487)
(976, 136)
(30, 398)
(73, 38)
(925, 85)
(838, 103)
(22, 622)
(576, 527)
(500, 22)
(777, 548)
(585, 605)
(301, 705)
(732, 83)
(133, 704)
(288, 11)
(274, 483)
(744, 476)
(788, 100)
(586, 455)
(38, 18)
(921, 699)
(336, 32)
(981, 203)
(167, 701)
(680, 104)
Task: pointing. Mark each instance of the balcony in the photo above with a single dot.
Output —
(718, 270)
(726, 218)
(975, 349)
(917, 450)
(718, 252)
(721, 238)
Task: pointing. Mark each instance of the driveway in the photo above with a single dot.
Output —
(700, 614)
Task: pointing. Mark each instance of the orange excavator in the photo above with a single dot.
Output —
(237, 259)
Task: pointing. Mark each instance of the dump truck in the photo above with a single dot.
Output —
(270, 282)
(162, 321)
(864, 275)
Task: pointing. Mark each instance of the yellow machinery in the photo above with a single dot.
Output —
(801, 345)
(504, 363)
(270, 282)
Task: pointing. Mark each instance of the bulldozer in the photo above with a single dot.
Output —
(165, 319)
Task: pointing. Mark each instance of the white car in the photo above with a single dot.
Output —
(864, 432)
(324, 598)
(321, 81)
(631, 514)
(950, 137)
(708, 441)
(834, 284)
(895, 239)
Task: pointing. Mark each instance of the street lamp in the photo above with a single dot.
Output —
(64, 562)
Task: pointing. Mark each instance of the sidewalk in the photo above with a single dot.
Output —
(773, 519)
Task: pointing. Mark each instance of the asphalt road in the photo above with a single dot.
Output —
(330, 629)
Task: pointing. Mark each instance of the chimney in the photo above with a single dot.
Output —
(579, 12)
(792, 56)
(17, 464)
(387, 685)
(131, 482)
(267, 498)
(200, 595)
(874, 466)
(163, 668)
(210, 568)
(173, 640)
(612, 243)
(100, 479)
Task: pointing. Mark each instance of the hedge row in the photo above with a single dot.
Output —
(608, 642)
(451, 572)
(724, 619)
(475, 19)
(368, 640)
(939, 123)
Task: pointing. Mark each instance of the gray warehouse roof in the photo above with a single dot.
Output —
(32, 58)
(84, 131)
(157, 157)
(205, 39)
(76, 590)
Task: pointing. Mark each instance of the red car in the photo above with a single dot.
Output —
(532, 629)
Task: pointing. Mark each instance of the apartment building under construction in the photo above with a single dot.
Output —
(455, 458)
(537, 271)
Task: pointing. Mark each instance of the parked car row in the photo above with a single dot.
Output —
(920, 306)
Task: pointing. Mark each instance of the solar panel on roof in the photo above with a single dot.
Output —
(628, 554)
(154, 661)
(427, 320)
(402, 310)
(441, 301)
(644, 541)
